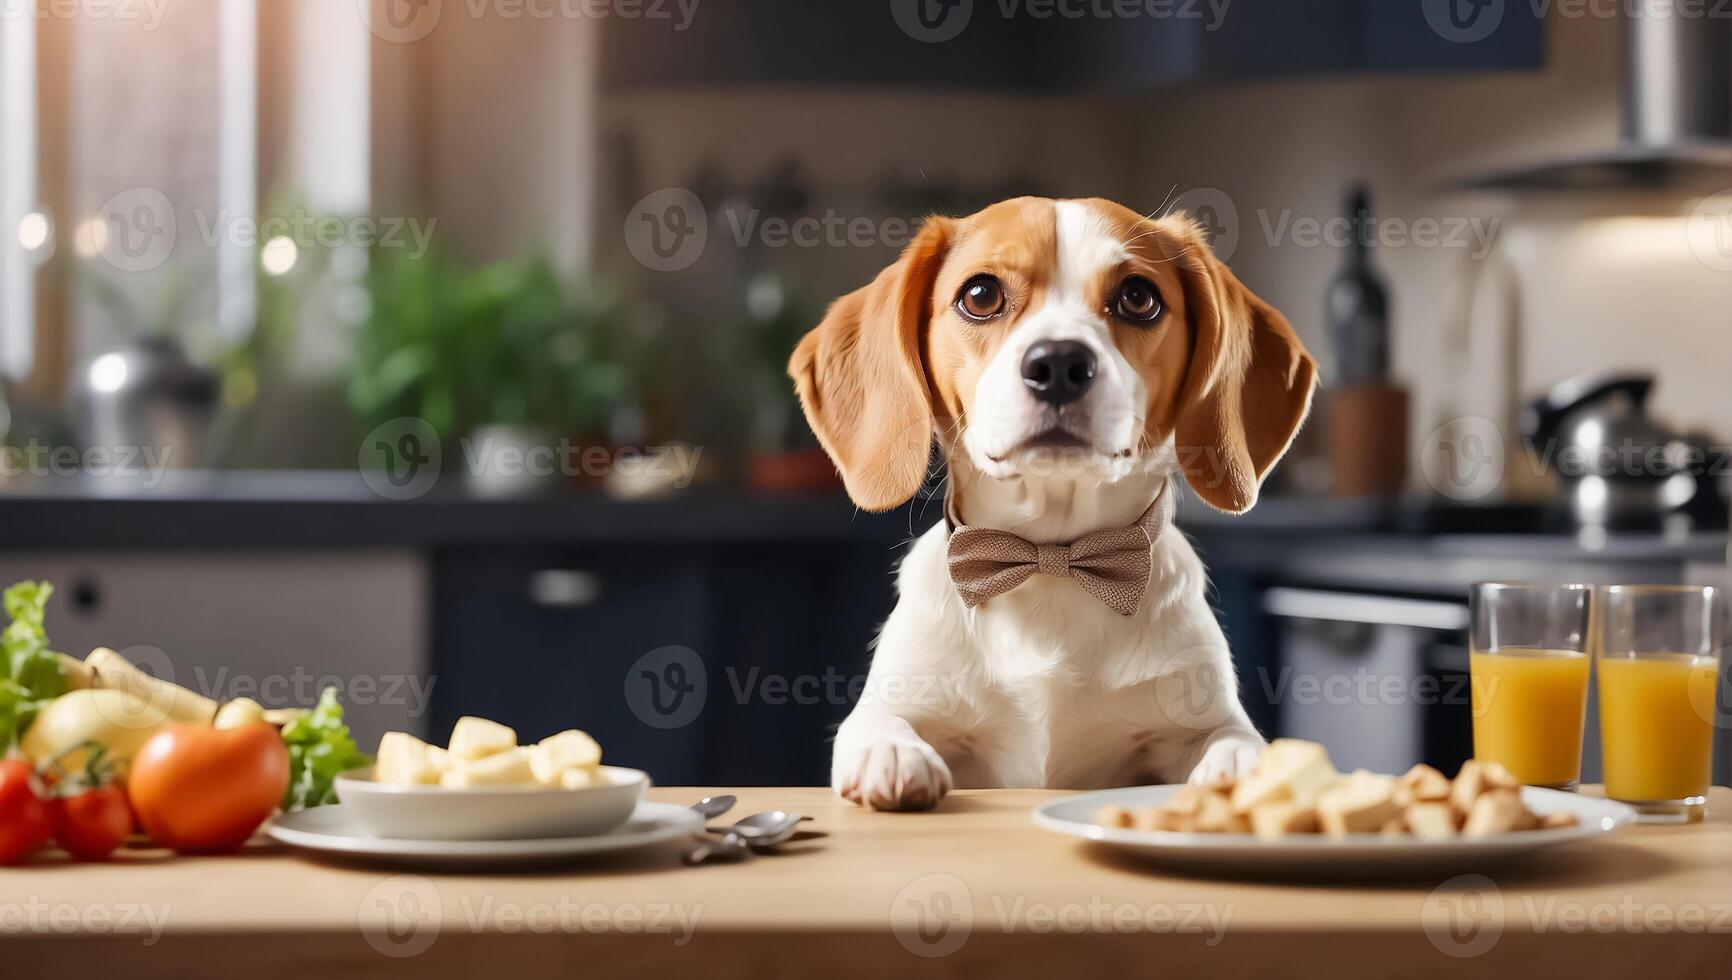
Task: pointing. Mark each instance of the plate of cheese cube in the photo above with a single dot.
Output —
(485, 786)
(1294, 812)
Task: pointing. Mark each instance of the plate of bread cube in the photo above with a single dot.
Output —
(1294, 812)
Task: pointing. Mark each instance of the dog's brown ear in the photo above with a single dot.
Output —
(1248, 385)
(862, 377)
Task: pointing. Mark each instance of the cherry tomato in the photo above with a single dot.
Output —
(205, 790)
(91, 824)
(24, 821)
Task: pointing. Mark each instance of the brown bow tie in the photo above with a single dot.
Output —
(1111, 565)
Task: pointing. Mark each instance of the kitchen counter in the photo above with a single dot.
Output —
(971, 890)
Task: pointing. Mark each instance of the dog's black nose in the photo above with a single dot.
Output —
(1058, 371)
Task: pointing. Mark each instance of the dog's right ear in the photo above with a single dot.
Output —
(861, 376)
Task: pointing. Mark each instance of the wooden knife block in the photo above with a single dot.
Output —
(1367, 427)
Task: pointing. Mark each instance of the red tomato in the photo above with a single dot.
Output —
(91, 824)
(203, 790)
(24, 822)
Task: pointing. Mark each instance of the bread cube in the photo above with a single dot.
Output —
(1283, 817)
(1115, 816)
(1215, 816)
(477, 738)
(1289, 769)
(1358, 804)
(1422, 783)
(1497, 811)
(1431, 820)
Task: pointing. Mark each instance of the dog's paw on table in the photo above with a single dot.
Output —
(893, 774)
(1227, 760)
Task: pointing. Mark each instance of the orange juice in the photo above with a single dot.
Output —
(1657, 725)
(1528, 706)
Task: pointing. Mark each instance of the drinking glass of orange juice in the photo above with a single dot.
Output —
(1659, 673)
(1529, 678)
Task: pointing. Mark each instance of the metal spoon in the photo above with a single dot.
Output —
(730, 845)
(762, 831)
(711, 807)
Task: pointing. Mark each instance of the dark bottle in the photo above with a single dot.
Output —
(1356, 305)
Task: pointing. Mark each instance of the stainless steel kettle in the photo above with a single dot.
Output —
(1616, 467)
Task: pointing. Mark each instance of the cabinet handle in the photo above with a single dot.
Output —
(564, 588)
(1376, 610)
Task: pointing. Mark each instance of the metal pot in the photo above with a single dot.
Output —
(150, 398)
(1616, 467)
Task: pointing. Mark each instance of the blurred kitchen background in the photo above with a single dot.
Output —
(435, 349)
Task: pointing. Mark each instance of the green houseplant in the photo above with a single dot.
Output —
(507, 346)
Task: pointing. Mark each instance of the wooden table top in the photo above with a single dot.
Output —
(970, 890)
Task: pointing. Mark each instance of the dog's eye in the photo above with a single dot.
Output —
(982, 298)
(1138, 300)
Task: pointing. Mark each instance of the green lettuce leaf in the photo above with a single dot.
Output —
(320, 747)
(30, 673)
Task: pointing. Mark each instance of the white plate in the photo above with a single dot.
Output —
(491, 812)
(333, 830)
(1356, 855)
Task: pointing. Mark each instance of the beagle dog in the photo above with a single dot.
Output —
(1071, 359)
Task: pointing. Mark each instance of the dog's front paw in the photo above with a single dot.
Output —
(1228, 758)
(902, 773)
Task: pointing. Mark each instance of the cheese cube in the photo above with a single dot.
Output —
(476, 738)
(1289, 769)
(1359, 804)
(508, 768)
(579, 778)
(570, 749)
(405, 760)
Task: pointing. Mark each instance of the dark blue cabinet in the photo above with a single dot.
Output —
(702, 664)
(1061, 45)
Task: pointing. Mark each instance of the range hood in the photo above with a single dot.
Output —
(1677, 109)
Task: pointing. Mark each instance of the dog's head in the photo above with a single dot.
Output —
(1040, 327)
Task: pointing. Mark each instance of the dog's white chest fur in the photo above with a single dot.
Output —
(1044, 685)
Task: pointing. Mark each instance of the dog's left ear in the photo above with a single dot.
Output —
(1248, 385)
(861, 376)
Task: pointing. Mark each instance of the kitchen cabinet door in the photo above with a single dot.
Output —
(610, 640)
(273, 626)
